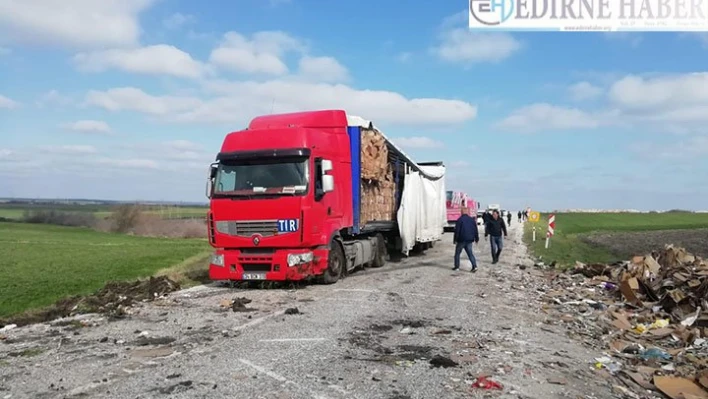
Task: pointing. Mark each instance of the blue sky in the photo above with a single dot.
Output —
(130, 99)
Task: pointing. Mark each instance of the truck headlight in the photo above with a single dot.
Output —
(298, 259)
(217, 259)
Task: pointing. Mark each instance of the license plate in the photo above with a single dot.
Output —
(254, 276)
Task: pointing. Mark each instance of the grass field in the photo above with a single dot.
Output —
(16, 211)
(43, 263)
(570, 243)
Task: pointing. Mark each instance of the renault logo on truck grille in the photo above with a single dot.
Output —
(256, 239)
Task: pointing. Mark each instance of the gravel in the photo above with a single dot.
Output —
(413, 329)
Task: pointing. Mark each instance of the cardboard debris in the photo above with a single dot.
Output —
(679, 388)
(649, 316)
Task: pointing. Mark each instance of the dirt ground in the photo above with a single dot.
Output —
(413, 329)
(627, 245)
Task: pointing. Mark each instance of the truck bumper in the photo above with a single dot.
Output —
(234, 265)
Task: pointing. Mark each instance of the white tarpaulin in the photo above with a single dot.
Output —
(422, 215)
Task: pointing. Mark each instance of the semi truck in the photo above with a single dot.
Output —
(315, 195)
(455, 201)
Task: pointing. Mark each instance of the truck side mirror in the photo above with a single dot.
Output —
(213, 168)
(327, 183)
(326, 166)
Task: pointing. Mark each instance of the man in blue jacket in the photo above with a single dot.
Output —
(466, 233)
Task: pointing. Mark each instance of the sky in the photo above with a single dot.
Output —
(131, 99)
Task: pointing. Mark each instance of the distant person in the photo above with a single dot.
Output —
(519, 215)
(494, 228)
(466, 233)
(508, 218)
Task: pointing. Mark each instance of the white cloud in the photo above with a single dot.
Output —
(69, 149)
(89, 126)
(72, 23)
(634, 39)
(661, 93)
(159, 59)
(541, 116)
(132, 99)
(129, 163)
(53, 97)
(8, 103)
(177, 20)
(417, 142)
(238, 102)
(261, 54)
(686, 150)
(582, 91)
(323, 69)
(459, 45)
(404, 56)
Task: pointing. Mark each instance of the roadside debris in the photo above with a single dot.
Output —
(442, 361)
(238, 304)
(483, 383)
(649, 314)
(115, 300)
(292, 311)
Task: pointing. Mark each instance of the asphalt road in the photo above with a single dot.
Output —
(371, 335)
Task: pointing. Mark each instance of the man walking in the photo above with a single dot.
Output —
(508, 218)
(494, 228)
(519, 215)
(466, 233)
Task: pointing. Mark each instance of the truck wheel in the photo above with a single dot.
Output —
(335, 264)
(380, 257)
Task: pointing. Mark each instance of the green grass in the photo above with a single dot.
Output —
(40, 264)
(16, 211)
(566, 246)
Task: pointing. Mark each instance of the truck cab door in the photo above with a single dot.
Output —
(325, 196)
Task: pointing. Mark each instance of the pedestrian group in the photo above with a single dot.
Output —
(467, 233)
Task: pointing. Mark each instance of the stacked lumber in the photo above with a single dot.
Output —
(378, 188)
(374, 155)
(378, 199)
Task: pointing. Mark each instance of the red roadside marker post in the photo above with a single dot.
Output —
(551, 229)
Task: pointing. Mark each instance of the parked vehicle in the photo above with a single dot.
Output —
(455, 201)
(289, 199)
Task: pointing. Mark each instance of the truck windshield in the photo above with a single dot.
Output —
(272, 177)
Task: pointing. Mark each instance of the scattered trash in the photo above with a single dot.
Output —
(442, 361)
(557, 381)
(239, 305)
(8, 328)
(654, 354)
(483, 383)
(649, 313)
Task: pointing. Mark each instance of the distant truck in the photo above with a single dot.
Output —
(455, 201)
(315, 195)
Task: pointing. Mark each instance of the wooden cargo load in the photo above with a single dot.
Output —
(378, 188)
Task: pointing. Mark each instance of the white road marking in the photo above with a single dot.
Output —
(280, 378)
(294, 340)
(258, 320)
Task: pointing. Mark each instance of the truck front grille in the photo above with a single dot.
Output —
(265, 228)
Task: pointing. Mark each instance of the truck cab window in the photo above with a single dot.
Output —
(318, 179)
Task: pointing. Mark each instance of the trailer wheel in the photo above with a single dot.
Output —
(335, 264)
(380, 257)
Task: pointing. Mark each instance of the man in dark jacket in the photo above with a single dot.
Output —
(466, 233)
(494, 228)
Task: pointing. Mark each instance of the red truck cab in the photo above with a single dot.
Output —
(274, 209)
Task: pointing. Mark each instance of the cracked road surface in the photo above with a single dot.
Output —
(371, 335)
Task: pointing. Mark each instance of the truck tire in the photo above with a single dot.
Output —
(380, 256)
(335, 264)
